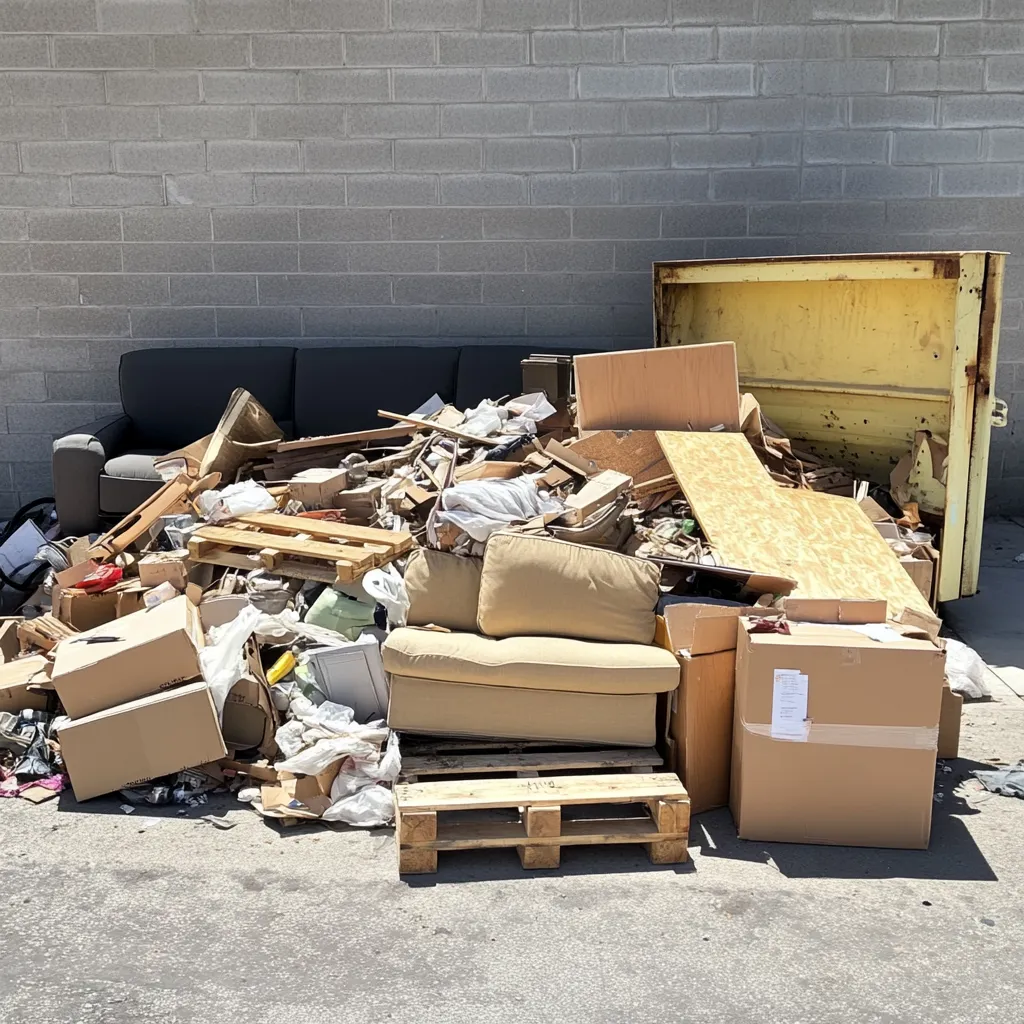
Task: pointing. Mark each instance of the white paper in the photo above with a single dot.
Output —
(20, 549)
(878, 631)
(789, 705)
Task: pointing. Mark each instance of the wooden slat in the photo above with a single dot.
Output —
(476, 835)
(234, 537)
(390, 539)
(338, 440)
(557, 761)
(210, 554)
(423, 424)
(586, 789)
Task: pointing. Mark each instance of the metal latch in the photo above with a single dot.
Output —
(999, 412)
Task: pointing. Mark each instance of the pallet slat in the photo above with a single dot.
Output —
(465, 764)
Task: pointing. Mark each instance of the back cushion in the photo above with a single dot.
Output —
(443, 590)
(538, 586)
(176, 395)
(340, 389)
(490, 371)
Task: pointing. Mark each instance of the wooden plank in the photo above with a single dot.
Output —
(824, 542)
(213, 555)
(396, 541)
(233, 537)
(477, 835)
(541, 823)
(423, 424)
(376, 434)
(584, 789)
(169, 498)
(463, 764)
(692, 387)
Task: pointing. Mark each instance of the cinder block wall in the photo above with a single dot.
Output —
(181, 172)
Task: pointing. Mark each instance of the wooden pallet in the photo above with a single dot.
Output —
(541, 831)
(330, 552)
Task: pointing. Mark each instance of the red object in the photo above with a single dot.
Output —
(328, 515)
(103, 578)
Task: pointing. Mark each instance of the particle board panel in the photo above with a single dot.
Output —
(691, 387)
(633, 452)
(824, 542)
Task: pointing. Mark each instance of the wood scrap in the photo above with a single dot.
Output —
(44, 632)
(342, 440)
(597, 492)
(423, 424)
(170, 499)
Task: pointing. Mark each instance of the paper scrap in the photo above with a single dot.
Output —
(878, 631)
(789, 705)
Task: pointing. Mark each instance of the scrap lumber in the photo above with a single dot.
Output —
(423, 424)
(824, 542)
(685, 387)
(341, 440)
(44, 632)
(172, 497)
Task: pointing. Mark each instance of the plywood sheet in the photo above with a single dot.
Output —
(824, 542)
(692, 387)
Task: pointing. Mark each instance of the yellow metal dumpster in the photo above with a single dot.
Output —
(852, 354)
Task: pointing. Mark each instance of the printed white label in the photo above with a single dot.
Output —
(789, 705)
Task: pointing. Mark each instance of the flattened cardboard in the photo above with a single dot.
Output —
(851, 612)
(299, 796)
(863, 774)
(597, 492)
(128, 745)
(164, 567)
(149, 650)
(250, 719)
(949, 723)
(15, 678)
(699, 628)
(10, 646)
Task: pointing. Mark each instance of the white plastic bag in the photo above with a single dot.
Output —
(526, 411)
(387, 587)
(221, 660)
(366, 808)
(965, 671)
(480, 507)
(235, 500)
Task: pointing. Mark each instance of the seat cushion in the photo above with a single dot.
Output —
(538, 586)
(340, 389)
(176, 395)
(531, 662)
(490, 371)
(443, 589)
(133, 466)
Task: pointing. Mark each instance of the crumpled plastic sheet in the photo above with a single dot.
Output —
(965, 671)
(481, 507)
(1004, 781)
(235, 500)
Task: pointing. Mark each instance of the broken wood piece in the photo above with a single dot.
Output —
(597, 492)
(171, 498)
(423, 424)
(339, 440)
(44, 631)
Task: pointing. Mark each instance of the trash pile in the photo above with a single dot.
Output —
(626, 567)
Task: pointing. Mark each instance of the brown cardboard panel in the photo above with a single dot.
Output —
(851, 612)
(10, 647)
(164, 567)
(15, 677)
(949, 722)
(142, 740)
(142, 653)
(701, 628)
(300, 796)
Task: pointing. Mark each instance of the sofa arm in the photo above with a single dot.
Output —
(78, 460)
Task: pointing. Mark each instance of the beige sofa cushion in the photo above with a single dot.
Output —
(531, 662)
(443, 589)
(538, 586)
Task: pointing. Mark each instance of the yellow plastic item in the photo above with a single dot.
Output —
(281, 668)
(852, 354)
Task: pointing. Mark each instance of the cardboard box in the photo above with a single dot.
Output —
(164, 567)
(250, 719)
(217, 609)
(299, 796)
(77, 608)
(132, 743)
(835, 736)
(15, 677)
(150, 650)
(949, 723)
(920, 567)
(316, 488)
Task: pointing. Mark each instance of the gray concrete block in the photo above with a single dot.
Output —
(13, 225)
(713, 80)
(24, 323)
(44, 354)
(153, 16)
(123, 290)
(165, 322)
(579, 189)
(616, 222)
(894, 40)
(161, 258)
(484, 257)
(246, 155)
(484, 189)
(668, 45)
(822, 113)
(614, 13)
(714, 150)
(210, 290)
(392, 190)
(32, 479)
(347, 155)
(887, 182)
(53, 418)
(534, 83)
(758, 184)
(544, 223)
(384, 321)
(526, 289)
(573, 256)
(436, 225)
(75, 387)
(481, 321)
(209, 189)
(324, 289)
(994, 110)
(345, 86)
(298, 50)
(105, 123)
(825, 78)
(344, 225)
(256, 323)
(437, 289)
(595, 289)
(34, 190)
(646, 118)
(133, 157)
(31, 122)
(981, 180)
(846, 147)
(27, 447)
(528, 14)
(484, 119)
(300, 190)
(22, 387)
(623, 153)
(206, 122)
(713, 12)
(188, 51)
(581, 118)
(826, 10)
(569, 321)
(823, 182)
(1005, 74)
(528, 154)
(807, 217)
(242, 16)
(761, 114)
(83, 322)
(250, 86)
(438, 155)
(256, 257)
(167, 226)
(344, 15)
(624, 82)
(1001, 143)
(778, 150)
(483, 49)
(939, 10)
(393, 257)
(146, 87)
(53, 88)
(117, 190)
(762, 42)
(390, 49)
(64, 157)
(323, 258)
(937, 146)
(437, 85)
(300, 122)
(102, 52)
(950, 74)
(73, 257)
(393, 121)
(637, 257)
(48, 16)
(984, 38)
(14, 259)
(892, 111)
(600, 47)
(434, 14)
(664, 187)
(24, 52)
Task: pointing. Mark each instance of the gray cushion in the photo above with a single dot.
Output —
(121, 495)
(133, 466)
